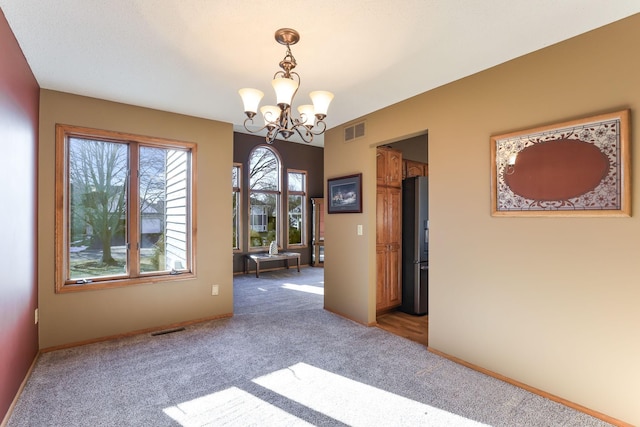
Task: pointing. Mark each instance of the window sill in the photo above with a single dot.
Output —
(122, 283)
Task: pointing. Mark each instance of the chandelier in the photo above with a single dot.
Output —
(278, 120)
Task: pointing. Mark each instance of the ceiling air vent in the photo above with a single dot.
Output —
(354, 132)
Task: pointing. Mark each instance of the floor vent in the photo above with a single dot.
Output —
(354, 132)
(167, 331)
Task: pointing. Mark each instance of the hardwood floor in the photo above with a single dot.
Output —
(415, 328)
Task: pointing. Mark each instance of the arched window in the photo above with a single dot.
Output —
(264, 197)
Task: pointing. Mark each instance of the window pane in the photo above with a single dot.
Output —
(296, 181)
(236, 243)
(263, 170)
(152, 201)
(235, 177)
(296, 214)
(177, 213)
(264, 197)
(97, 211)
(235, 182)
(263, 209)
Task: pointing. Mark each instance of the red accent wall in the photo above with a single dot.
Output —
(19, 104)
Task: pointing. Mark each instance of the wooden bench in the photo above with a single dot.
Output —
(264, 257)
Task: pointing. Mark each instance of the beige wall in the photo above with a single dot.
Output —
(349, 262)
(79, 316)
(550, 302)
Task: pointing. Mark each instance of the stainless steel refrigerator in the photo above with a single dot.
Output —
(415, 246)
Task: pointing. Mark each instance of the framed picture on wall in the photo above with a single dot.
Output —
(344, 194)
(574, 168)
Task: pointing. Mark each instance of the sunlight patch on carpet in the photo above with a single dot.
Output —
(336, 397)
(352, 402)
(304, 288)
(231, 407)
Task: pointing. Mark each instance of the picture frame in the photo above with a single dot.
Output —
(344, 194)
(574, 168)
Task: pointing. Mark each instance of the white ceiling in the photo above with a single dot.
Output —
(192, 56)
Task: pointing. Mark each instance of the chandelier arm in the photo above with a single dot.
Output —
(315, 131)
(272, 133)
(307, 136)
(250, 121)
(272, 130)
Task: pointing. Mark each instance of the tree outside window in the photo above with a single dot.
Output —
(264, 197)
(98, 173)
(124, 208)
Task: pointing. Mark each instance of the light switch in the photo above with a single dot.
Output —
(359, 229)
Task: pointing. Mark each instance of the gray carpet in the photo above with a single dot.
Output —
(280, 361)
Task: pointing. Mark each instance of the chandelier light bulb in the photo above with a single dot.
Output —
(321, 100)
(251, 99)
(285, 89)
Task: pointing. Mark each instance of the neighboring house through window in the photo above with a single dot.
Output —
(124, 208)
(296, 206)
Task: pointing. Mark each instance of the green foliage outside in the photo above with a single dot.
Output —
(295, 236)
(263, 239)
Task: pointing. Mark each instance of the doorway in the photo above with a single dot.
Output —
(402, 317)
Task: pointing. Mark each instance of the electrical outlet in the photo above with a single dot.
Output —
(214, 289)
(35, 316)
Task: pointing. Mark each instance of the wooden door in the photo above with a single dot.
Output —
(381, 216)
(394, 242)
(393, 223)
(388, 228)
(381, 277)
(389, 167)
(381, 166)
(394, 168)
(388, 248)
(394, 282)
